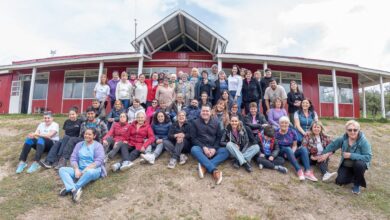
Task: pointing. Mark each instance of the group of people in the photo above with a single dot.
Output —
(212, 117)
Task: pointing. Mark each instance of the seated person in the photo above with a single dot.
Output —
(255, 120)
(87, 164)
(192, 111)
(204, 100)
(177, 106)
(100, 111)
(134, 109)
(221, 113)
(151, 110)
(234, 112)
(276, 112)
(113, 116)
(303, 118)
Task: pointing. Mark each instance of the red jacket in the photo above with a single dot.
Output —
(151, 90)
(119, 132)
(141, 138)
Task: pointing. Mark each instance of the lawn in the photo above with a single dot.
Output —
(155, 192)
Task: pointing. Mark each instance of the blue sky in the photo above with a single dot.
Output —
(351, 31)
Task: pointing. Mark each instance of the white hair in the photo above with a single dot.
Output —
(284, 118)
(352, 122)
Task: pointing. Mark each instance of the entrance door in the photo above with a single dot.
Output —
(25, 96)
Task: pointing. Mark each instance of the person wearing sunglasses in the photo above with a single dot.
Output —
(356, 156)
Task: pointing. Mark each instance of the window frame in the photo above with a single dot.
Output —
(45, 76)
(83, 76)
(329, 79)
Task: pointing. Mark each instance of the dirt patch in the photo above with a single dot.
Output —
(9, 132)
(5, 171)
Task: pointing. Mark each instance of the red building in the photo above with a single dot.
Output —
(178, 42)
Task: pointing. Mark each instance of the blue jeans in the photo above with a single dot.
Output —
(125, 103)
(221, 155)
(300, 153)
(239, 99)
(67, 175)
(245, 156)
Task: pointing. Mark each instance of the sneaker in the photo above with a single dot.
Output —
(261, 166)
(281, 169)
(46, 165)
(236, 164)
(64, 192)
(300, 175)
(126, 165)
(201, 171)
(183, 159)
(61, 163)
(248, 167)
(328, 177)
(106, 159)
(34, 167)
(76, 195)
(21, 167)
(217, 175)
(149, 157)
(310, 176)
(356, 189)
(115, 167)
(172, 163)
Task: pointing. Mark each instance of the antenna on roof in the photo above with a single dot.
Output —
(135, 34)
(53, 53)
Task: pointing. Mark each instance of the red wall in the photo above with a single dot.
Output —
(38, 104)
(5, 92)
(56, 84)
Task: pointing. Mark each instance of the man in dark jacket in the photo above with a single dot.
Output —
(205, 136)
(192, 111)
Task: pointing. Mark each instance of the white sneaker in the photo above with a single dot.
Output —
(328, 177)
(126, 165)
(115, 167)
(261, 166)
(149, 157)
(183, 159)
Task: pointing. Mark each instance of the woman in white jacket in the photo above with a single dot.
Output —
(124, 90)
(235, 86)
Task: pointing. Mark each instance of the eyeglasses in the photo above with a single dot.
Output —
(354, 130)
(154, 102)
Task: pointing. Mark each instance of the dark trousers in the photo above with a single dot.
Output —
(278, 161)
(129, 153)
(264, 106)
(41, 145)
(57, 150)
(354, 174)
(112, 101)
(112, 149)
(69, 147)
(322, 165)
(175, 149)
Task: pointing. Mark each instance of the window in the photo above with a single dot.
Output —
(148, 71)
(41, 86)
(344, 88)
(78, 81)
(284, 79)
(15, 88)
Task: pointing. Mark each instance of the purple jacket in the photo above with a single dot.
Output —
(98, 156)
(112, 84)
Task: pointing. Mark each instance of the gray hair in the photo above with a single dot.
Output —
(284, 118)
(352, 122)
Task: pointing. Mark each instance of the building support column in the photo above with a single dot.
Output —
(383, 110)
(219, 59)
(141, 59)
(31, 95)
(265, 65)
(336, 95)
(101, 68)
(364, 102)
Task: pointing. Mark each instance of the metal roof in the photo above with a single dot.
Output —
(180, 31)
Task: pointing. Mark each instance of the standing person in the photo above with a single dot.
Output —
(251, 91)
(173, 80)
(272, 92)
(72, 129)
(221, 84)
(269, 151)
(185, 88)
(46, 134)
(355, 159)
(304, 117)
(141, 90)
(204, 86)
(179, 141)
(87, 163)
(236, 141)
(165, 93)
(287, 140)
(124, 90)
(152, 88)
(205, 136)
(213, 76)
(264, 82)
(133, 78)
(134, 109)
(315, 140)
(194, 78)
(160, 125)
(102, 91)
(112, 84)
(116, 136)
(276, 112)
(113, 116)
(140, 136)
(204, 100)
(294, 99)
(255, 120)
(235, 86)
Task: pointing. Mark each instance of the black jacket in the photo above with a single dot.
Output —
(242, 141)
(203, 134)
(264, 82)
(175, 129)
(274, 145)
(260, 119)
(291, 98)
(217, 91)
(251, 91)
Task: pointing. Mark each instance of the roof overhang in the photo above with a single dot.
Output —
(367, 76)
(180, 30)
(56, 61)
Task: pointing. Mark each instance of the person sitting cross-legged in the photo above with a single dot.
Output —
(205, 136)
